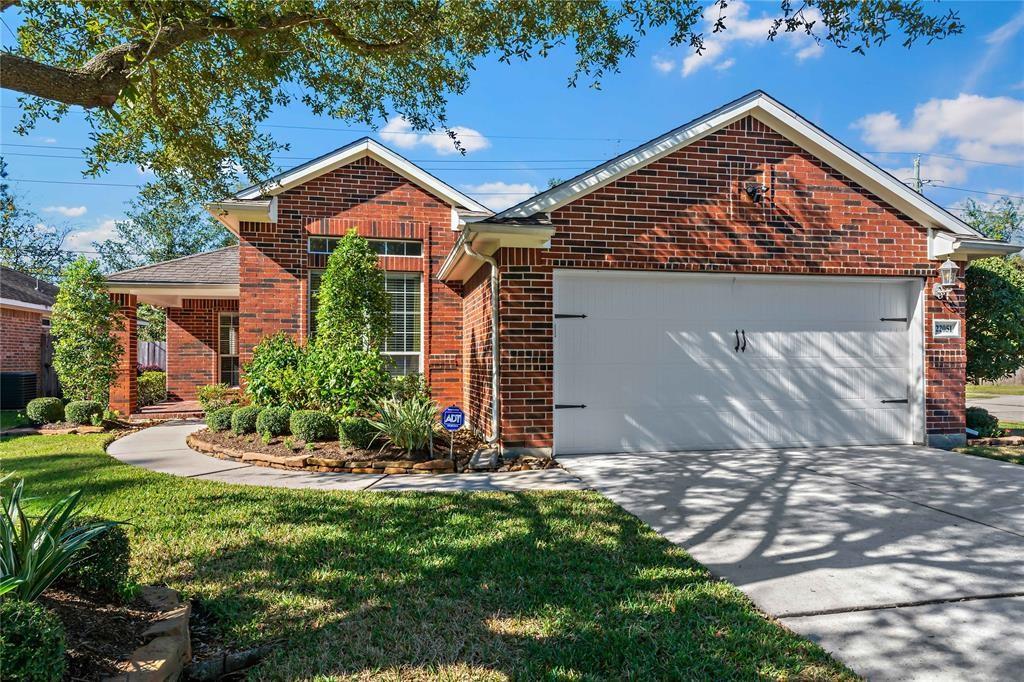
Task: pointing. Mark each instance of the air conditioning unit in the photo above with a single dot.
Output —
(17, 388)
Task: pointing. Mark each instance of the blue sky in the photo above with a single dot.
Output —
(960, 97)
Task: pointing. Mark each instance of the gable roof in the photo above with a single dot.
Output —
(17, 286)
(778, 117)
(349, 153)
(212, 267)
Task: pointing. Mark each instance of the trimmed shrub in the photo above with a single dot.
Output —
(45, 410)
(104, 567)
(31, 643)
(220, 420)
(312, 426)
(274, 374)
(83, 411)
(152, 387)
(987, 425)
(243, 420)
(213, 397)
(408, 386)
(357, 432)
(273, 421)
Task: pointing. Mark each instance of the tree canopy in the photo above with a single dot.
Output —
(182, 86)
(26, 244)
(1003, 220)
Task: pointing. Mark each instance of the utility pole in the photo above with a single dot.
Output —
(918, 187)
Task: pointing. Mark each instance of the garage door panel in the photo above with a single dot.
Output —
(656, 365)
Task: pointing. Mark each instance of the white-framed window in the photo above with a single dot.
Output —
(383, 247)
(403, 346)
(227, 349)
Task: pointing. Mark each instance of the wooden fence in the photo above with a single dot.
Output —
(153, 353)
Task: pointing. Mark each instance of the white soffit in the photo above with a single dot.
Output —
(781, 119)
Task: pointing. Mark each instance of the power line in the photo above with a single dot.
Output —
(980, 191)
(957, 158)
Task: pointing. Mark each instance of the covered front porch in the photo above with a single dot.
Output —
(200, 297)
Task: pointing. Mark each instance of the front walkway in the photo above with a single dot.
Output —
(903, 561)
(162, 448)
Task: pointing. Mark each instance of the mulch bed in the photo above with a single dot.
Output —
(99, 634)
(292, 453)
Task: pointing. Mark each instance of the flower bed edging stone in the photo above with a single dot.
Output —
(165, 655)
(323, 464)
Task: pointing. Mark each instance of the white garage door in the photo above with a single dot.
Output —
(676, 362)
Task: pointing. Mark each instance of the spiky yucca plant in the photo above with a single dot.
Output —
(407, 424)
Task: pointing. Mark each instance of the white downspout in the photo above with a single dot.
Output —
(495, 348)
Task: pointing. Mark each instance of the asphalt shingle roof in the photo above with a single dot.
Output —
(212, 267)
(18, 286)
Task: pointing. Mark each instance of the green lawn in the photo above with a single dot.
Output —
(10, 419)
(1000, 452)
(990, 391)
(557, 585)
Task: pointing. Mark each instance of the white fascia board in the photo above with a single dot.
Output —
(230, 213)
(487, 239)
(171, 295)
(346, 155)
(24, 305)
(780, 119)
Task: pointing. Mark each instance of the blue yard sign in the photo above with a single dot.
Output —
(453, 418)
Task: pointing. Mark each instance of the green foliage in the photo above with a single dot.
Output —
(1003, 220)
(407, 424)
(357, 432)
(220, 419)
(161, 224)
(995, 318)
(83, 411)
(24, 245)
(243, 420)
(274, 374)
(155, 327)
(45, 410)
(103, 568)
(353, 307)
(31, 643)
(987, 425)
(409, 386)
(152, 387)
(273, 421)
(312, 426)
(37, 549)
(85, 350)
(344, 381)
(193, 82)
(213, 397)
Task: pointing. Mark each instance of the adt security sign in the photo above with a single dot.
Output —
(453, 418)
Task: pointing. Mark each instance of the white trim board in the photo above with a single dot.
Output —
(779, 118)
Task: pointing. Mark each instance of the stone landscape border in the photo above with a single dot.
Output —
(168, 648)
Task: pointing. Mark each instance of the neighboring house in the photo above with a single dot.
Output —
(25, 305)
(742, 281)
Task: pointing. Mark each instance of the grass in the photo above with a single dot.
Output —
(1003, 453)
(993, 390)
(1011, 426)
(10, 419)
(496, 586)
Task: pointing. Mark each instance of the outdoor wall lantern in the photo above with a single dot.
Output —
(756, 191)
(947, 279)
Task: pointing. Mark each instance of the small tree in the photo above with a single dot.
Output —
(995, 318)
(85, 350)
(353, 307)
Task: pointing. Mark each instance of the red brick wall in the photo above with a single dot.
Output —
(688, 212)
(20, 335)
(476, 350)
(192, 345)
(379, 203)
(124, 393)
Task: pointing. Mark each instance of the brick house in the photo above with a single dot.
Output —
(744, 280)
(25, 305)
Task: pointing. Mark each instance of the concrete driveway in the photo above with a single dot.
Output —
(906, 562)
(1008, 408)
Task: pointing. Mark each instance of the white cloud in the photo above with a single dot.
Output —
(981, 128)
(996, 41)
(663, 65)
(399, 133)
(741, 28)
(67, 211)
(500, 195)
(47, 140)
(81, 240)
(936, 170)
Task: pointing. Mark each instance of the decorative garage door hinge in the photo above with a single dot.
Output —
(901, 400)
(562, 316)
(893, 319)
(559, 406)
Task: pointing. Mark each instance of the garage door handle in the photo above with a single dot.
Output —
(744, 332)
(737, 341)
(904, 400)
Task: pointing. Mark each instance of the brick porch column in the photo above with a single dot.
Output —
(124, 392)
